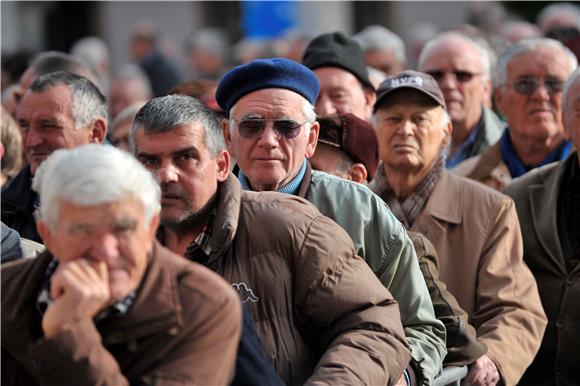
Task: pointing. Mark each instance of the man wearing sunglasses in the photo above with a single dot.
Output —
(272, 129)
(548, 205)
(530, 77)
(461, 67)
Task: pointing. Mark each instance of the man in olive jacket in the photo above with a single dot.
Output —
(107, 305)
(321, 314)
(272, 130)
(548, 205)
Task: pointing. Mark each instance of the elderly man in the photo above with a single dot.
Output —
(272, 157)
(530, 75)
(108, 305)
(547, 201)
(321, 314)
(382, 49)
(475, 230)
(60, 110)
(339, 65)
(461, 67)
(348, 148)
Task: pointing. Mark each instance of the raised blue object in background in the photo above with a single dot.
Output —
(268, 19)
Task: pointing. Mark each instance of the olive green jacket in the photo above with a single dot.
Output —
(384, 244)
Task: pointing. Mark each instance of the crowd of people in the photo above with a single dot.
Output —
(335, 218)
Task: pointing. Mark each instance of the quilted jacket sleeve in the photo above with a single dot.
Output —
(356, 319)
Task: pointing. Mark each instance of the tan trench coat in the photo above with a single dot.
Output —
(476, 233)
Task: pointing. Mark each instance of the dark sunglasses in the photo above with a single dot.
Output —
(460, 76)
(253, 127)
(527, 86)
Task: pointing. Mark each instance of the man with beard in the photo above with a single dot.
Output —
(321, 314)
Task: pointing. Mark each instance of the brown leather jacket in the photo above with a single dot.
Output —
(182, 329)
(321, 313)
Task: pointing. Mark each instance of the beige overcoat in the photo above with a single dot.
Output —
(476, 233)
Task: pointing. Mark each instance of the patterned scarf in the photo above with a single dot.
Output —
(408, 210)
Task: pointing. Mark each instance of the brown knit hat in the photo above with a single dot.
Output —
(353, 136)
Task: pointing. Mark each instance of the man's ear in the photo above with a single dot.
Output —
(44, 232)
(498, 98)
(370, 99)
(358, 173)
(487, 89)
(312, 139)
(223, 165)
(448, 131)
(98, 131)
(227, 135)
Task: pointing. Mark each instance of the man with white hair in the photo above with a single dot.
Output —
(272, 131)
(530, 77)
(106, 304)
(548, 201)
(474, 230)
(383, 49)
(461, 67)
(60, 110)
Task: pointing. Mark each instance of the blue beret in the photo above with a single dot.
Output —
(266, 73)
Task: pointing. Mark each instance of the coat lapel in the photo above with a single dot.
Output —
(544, 208)
(440, 208)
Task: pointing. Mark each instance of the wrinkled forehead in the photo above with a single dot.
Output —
(540, 60)
(270, 103)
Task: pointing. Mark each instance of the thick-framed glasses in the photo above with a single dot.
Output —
(527, 86)
(253, 127)
(460, 76)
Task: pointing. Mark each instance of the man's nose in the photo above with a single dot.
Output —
(32, 138)
(268, 137)
(405, 127)
(105, 248)
(168, 173)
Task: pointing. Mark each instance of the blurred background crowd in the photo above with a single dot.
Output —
(201, 40)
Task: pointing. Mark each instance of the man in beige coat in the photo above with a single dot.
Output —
(530, 76)
(547, 201)
(475, 230)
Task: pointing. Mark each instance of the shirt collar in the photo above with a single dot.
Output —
(290, 188)
(516, 167)
(463, 150)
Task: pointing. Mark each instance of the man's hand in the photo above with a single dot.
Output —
(482, 373)
(79, 290)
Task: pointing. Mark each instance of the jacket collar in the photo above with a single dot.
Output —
(439, 204)
(19, 193)
(488, 161)
(543, 198)
(440, 209)
(229, 199)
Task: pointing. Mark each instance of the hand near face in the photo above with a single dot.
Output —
(79, 289)
(482, 373)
